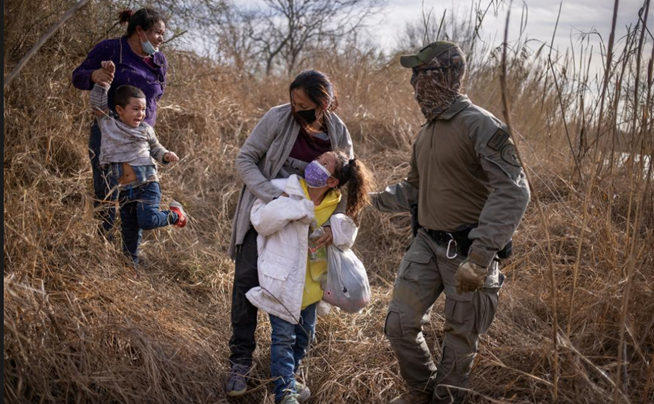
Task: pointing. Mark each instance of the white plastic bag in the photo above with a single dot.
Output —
(347, 284)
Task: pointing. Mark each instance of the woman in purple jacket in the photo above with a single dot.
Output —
(139, 63)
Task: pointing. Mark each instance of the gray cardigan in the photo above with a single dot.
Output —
(262, 156)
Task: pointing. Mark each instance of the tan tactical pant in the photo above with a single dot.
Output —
(425, 272)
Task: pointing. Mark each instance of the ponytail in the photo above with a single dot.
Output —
(125, 15)
(358, 179)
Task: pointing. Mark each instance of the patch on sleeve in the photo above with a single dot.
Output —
(497, 140)
(510, 156)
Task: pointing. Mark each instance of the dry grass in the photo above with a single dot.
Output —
(78, 328)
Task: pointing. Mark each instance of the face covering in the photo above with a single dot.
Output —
(308, 115)
(316, 175)
(437, 90)
(147, 47)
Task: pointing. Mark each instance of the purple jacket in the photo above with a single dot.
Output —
(130, 69)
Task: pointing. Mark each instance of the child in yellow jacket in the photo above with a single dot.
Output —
(290, 278)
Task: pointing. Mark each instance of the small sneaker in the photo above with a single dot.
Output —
(323, 308)
(132, 268)
(237, 383)
(290, 399)
(303, 392)
(181, 214)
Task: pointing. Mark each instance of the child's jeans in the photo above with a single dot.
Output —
(289, 345)
(139, 210)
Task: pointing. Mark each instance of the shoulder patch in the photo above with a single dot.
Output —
(497, 140)
(509, 155)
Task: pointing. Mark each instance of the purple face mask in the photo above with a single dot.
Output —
(316, 175)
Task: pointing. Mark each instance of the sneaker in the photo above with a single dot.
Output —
(132, 268)
(181, 214)
(323, 308)
(237, 383)
(303, 392)
(290, 399)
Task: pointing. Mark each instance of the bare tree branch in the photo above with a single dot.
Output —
(287, 28)
(42, 41)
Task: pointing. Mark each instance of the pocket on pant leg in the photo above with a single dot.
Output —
(473, 312)
(414, 265)
(459, 310)
(485, 306)
(417, 284)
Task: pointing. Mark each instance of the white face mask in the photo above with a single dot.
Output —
(147, 47)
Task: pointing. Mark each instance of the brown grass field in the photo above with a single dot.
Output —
(79, 328)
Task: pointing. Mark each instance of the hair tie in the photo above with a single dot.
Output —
(125, 15)
(347, 171)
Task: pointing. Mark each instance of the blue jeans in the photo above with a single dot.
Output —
(139, 210)
(104, 202)
(289, 345)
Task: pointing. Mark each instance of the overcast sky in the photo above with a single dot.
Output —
(576, 16)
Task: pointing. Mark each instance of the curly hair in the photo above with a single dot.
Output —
(359, 183)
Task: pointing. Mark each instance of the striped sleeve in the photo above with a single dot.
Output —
(99, 98)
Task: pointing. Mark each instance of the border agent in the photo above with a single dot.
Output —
(471, 193)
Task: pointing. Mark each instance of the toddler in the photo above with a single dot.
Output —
(128, 150)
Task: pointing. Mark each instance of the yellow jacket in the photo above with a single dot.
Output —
(316, 269)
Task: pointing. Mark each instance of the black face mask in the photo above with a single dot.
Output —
(308, 115)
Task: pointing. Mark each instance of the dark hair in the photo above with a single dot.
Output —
(319, 89)
(144, 18)
(359, 179)
(124, 93)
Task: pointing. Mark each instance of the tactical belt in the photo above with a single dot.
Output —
(458, 243)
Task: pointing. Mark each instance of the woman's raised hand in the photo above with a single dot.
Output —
(104, 75)
(109, 66)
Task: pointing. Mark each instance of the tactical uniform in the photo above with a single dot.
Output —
(464, 175)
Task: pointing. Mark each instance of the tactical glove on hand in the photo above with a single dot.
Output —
(469, 276)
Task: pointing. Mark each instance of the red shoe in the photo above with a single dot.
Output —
(177, 208)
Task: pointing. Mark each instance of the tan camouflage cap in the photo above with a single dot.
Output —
(438, 70)
(448, 54)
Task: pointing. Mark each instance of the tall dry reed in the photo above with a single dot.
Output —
(79, 328)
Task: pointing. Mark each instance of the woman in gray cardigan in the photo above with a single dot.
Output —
(285, 140)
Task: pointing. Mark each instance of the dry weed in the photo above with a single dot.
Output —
(79, 328)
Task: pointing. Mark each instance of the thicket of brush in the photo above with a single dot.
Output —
(79, 328)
